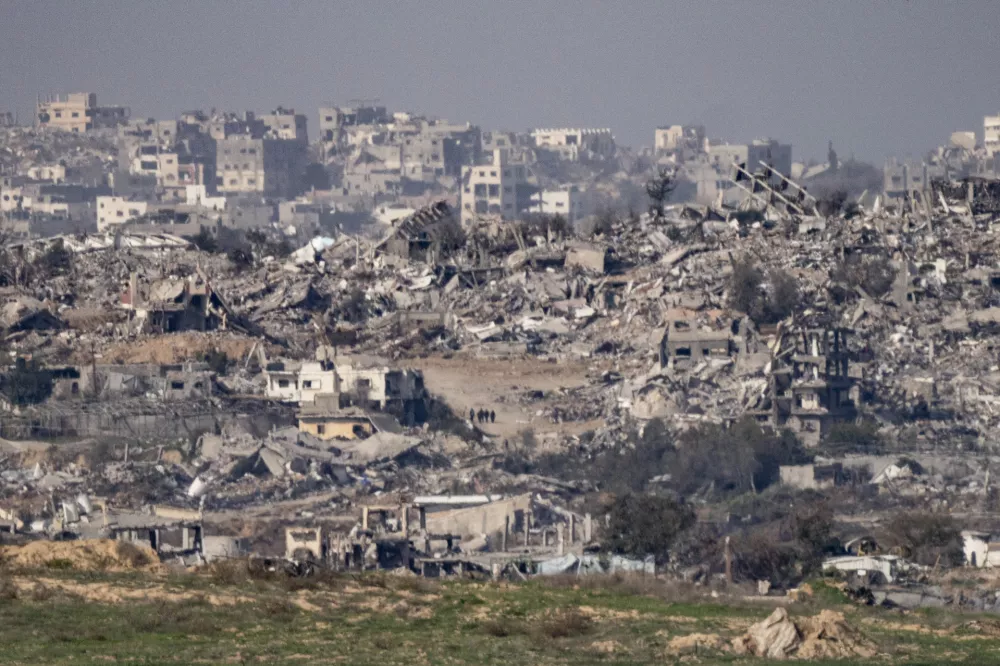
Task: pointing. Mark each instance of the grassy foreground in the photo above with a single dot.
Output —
(56, 616)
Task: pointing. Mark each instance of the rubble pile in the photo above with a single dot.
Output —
(25, 147)
(917, 292)
(206, 368)
(825, 636)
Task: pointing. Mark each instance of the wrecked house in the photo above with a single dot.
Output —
(687, 340)
(361, 549)
(474, 516)
(366, 382)
(372, 383)
(981, 549)
(326, 422)
(301, 382)
(168, 531)
(419, 236)
(587, 256)
(188, 304)
(28, 314)
(174, 382)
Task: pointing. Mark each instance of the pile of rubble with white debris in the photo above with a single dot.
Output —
(648, 302)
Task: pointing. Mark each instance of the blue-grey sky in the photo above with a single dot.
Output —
(878, 77)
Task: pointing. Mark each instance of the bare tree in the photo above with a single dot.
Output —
(658, 189)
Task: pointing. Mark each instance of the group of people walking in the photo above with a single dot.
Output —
(483, 416)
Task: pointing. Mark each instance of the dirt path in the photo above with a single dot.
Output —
(476, 383)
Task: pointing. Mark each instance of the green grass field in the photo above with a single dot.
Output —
(59, 615)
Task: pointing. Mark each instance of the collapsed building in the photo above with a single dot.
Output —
(810, 385)
(176, 305)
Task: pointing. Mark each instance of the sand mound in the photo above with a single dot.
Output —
(824, 636)
(88, 555)
(176, 348)
(828, 635)
(696, 642)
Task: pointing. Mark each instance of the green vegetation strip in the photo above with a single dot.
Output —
(53, 617)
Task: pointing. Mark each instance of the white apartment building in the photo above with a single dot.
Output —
(570, 203)
(686, 138)
(991, 134)
(116, 211)
(569, 142)
(497, 190)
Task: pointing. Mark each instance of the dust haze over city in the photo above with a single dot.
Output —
(499, 332)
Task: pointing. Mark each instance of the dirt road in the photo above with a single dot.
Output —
(483, 383)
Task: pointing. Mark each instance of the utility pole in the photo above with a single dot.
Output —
(93, 366)
(729, 563)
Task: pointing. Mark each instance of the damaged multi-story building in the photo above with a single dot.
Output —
(501, 187)
(77, 112)
(170, 305)
(572, 144)
(263, 155)
(348, 380)
(811, 382)
(177, 154)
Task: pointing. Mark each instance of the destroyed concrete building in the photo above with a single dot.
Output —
(810, 385)
(176, 305)
(183, 381)
(367, 382)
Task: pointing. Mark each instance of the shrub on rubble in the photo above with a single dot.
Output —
(875, 275)
(205, 241)
(600, 223)
(783, 298)
(931, 539)
(57, 260)
(218, 361)
(745, 286)
(766, 297)
(27, 384)
(854, 437)
(738, 459)
(451, 237)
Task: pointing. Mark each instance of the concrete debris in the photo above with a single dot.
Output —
(825, 636)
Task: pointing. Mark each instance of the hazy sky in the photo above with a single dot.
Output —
(877, 77)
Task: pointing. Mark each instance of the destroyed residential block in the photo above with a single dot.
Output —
(189, 304)
(810, 383)
(416, 237)
(335, 423)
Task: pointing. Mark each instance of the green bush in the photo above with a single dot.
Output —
(27, 384)
(766, 297)
(640, 525)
